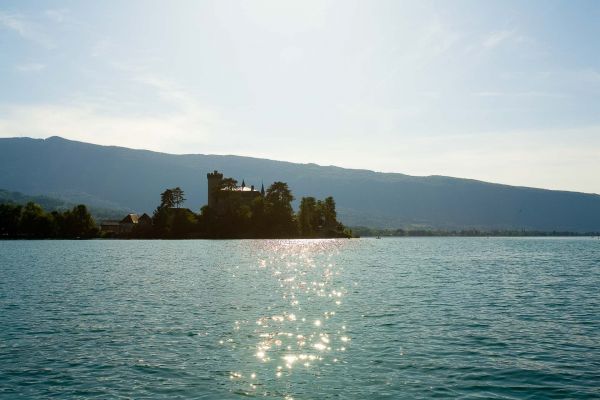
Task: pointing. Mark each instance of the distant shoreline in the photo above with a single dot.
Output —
(570, 235)
(374, 232)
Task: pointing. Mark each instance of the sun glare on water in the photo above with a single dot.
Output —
(299, 332)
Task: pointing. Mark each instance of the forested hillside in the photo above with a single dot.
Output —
(121, 178)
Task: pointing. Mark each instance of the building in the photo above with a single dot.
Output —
(111, 227)
(125, 225)
(131, 220)
(218, 196)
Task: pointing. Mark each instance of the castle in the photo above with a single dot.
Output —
(241, 194)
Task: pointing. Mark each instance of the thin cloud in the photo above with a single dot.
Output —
(58, 16)
(88, 123)
(520, 94)
(173, 94)
(591, 75)
(26, 29)
(184, 124)
(31, 67)
(545, 158)
(495, 39)
(100, 48)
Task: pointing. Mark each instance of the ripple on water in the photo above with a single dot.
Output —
(298, 332)
(397, 318)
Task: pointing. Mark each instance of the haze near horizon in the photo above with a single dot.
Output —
(505, 92)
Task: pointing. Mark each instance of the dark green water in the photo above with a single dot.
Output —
(350, 319)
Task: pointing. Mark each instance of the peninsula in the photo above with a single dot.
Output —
(232, 212)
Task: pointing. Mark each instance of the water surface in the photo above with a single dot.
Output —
(393, 318)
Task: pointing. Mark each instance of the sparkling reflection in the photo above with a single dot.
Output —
(299, 331)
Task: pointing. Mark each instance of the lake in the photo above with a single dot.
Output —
(396, 318)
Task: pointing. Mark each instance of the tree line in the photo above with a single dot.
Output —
(268, 216)
(31, 221)
(364, 231)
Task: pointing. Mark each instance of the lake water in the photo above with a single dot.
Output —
(403, 318)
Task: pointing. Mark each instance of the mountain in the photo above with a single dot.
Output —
(54, 204)
(122, 178)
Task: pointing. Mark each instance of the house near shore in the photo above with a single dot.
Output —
(125, 225)
(110, 226)
(131, 220)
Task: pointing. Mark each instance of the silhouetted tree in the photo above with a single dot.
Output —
(10, 218)
(35, 222)
(228, 183)
(329, 214)
(206, 222)
(78, 223)
(306, 217)
(161, 221)
(167, 199)
(183, 223)
(257, 218)
(319, 219)
(178, 198)
(170, 221)
(278, 210)
(268, 216)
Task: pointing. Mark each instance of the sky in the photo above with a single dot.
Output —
(505, 91)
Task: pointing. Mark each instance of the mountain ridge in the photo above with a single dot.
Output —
(124, 178)
(311, 164)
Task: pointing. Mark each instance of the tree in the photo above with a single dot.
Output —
(225, 192)
(268, 216)
(168, 219)
(206, 221)
(78, 223)
(329, 214)
(161, 221)
(178, 198)
(35, 222)
(278, 210)
(280, 196)
(167, 199)
(228, 183)
(257, 218)
(306, 217)
(10, 217)
(183, 223)
(319, 219)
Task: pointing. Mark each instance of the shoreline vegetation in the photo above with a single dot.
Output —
(269, 216)
(266, 216)
(31, 221)
(362, 231)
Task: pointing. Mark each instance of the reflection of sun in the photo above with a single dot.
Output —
(299, 331)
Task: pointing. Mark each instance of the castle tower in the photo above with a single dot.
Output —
(214, 182)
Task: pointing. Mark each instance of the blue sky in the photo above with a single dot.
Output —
(499, 91)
